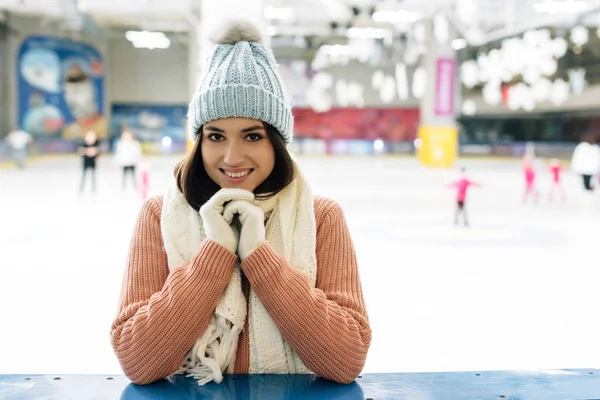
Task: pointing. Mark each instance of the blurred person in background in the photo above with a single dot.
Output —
(238, 268)
(144, 179)
(89, 151)
(128, 154)
(556, 182)
(586, 161)
(529, 172)
(18, 140)
(462, 186)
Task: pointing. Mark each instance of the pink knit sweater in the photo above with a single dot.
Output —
(162, 314)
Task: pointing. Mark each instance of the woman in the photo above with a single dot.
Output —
(89, 151)
(529, 170)
(238, 269)
(586, 161)
(127, 155)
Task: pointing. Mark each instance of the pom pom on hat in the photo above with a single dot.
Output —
(235, 31)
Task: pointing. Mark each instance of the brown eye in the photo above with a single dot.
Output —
(215, 137)
(254, 137)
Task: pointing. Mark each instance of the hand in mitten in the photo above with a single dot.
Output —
(215, 226)
(252, 222)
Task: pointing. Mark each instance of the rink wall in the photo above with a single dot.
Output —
(358, 147)
(321, 147)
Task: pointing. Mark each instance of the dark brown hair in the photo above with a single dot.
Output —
(197, 187)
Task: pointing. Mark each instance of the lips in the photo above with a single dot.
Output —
(236, 176)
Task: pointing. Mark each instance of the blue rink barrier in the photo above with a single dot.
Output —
(549, 385)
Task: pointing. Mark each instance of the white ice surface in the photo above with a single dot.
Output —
(519, 289)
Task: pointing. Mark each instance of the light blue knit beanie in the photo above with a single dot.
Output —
(241, 80)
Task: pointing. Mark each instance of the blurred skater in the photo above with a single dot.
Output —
(586, 161)
(530, 174)
(128, 154)
(462, 185)
(556, 183)
(18, 140)
(144, 179)
(89, 151)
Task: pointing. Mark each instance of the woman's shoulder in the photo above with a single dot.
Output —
(325, 206)
(153, 206)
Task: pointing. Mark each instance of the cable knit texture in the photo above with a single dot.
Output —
(241, 80)
(162, 313)
(290, 229)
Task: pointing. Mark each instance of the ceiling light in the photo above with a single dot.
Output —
(558, 7)
(579, 35)
(458, 44)
(469, 107)
(366, 33)
(396, 17)
(148, 40)
(278, 13)
(335, 50)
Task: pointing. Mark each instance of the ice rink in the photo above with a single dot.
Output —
(519, 289)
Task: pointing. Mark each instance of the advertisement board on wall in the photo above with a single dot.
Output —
(150, 122)
(60, 88)
(444, 87)
(388, 124)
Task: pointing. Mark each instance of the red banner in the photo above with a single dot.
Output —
(394, 125)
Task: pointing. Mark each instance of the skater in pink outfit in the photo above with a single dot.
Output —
(462, 185)
(144, 179)
(530, 173)
(556, 171)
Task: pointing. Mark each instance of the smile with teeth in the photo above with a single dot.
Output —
(236, 174)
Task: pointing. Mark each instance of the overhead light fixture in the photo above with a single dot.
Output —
(469, 107)
(335, 50)
(396, 17)
(560, 7)
(366, 33)
(458, 44)
(580, 35)
(148, 40)
(284, 14)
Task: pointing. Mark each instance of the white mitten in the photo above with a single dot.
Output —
(252, 221)
(215, 226)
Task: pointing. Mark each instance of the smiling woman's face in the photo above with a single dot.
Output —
(237, 153)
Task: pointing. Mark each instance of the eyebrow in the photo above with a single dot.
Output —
(245, 130)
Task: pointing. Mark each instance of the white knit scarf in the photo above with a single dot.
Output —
(291, 231)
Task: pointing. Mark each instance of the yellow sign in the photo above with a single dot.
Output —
(439, 146)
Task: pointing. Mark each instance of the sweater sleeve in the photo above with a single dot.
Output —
(162, 314)
(327, 325)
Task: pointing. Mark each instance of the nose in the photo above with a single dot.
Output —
(234, 154)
